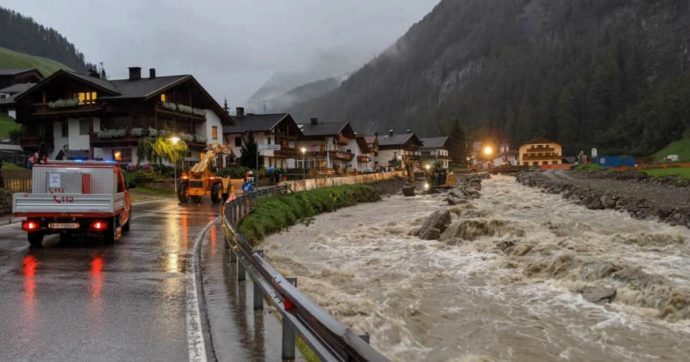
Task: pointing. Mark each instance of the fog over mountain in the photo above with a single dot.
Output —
(232, 47)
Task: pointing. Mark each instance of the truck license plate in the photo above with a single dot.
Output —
(63, 225)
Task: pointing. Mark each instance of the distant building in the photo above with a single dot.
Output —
(435, 149)
(399, 149)
(363, 158)
(268, 130)
(326, 145)
(540, 152)
(10, 77)
(505, 156)
(373, 148)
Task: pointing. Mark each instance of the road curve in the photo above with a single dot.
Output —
(89, 301)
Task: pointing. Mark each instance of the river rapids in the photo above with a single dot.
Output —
(504, 282)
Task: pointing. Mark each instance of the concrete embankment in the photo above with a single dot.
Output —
(640, 196)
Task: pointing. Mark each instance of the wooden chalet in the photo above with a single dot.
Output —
(75, 112)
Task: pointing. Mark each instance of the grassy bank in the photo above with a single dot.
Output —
(680, 148)
(273, 214)
(671, 171)
(143, 193)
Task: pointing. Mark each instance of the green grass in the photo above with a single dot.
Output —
(590, 167)
(275, 213)
(12, 59)
(680, 148)
(7, 125)
(142, 193)
(671, 171)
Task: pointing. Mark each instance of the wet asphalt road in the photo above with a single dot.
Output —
(89, 301)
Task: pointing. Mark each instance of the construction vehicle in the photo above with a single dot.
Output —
(201, 181)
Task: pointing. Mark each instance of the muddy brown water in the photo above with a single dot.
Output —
(503, 282)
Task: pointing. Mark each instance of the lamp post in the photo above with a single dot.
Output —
(488, 151)
(174, 140)
(304, 166)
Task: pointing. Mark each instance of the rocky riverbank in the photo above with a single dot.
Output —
(643, 197)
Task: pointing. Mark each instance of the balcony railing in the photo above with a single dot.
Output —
(285, 153)
(45, 110)
(536, 156)
(335, 155)
(363, 159)
(541, 149)
(129, 140)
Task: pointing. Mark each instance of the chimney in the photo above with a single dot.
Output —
(408, 131)
(240, 112)
(152, 73)
(314, 121)
(134, 73)
(390, 133)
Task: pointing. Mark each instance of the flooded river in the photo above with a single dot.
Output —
(503, 283)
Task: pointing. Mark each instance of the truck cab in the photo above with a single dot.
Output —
(89, 198)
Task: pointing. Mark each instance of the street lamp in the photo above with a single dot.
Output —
(304, 166)
(488, 151)
(174, 140)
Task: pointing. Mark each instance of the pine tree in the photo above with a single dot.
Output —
(249, 152)
(457, 143)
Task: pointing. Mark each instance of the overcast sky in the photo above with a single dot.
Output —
(231, 46)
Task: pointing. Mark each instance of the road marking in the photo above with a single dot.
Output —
(195, 333)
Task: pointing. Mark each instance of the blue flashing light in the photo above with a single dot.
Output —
(109, 161)
(78, 160)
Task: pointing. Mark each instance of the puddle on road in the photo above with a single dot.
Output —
(503, 282)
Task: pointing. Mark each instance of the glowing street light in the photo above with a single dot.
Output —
(304, 166)
(428, 167)
(174, 140)
(488, 151)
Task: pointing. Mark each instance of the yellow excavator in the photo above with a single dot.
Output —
(201, 181)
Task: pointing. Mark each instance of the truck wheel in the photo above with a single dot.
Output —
(216, 196)
(125, 227)
(182, 193)
(36, 239)
(109, 235)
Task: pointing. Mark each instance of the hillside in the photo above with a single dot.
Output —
(605, 73)
(24, 35)
(302, 94)
(12, 59)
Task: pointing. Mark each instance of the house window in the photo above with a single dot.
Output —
(64, 126)
(164, 98)
(555, 162)
(268, 140)
(123, 155)
(84, 126)
(214, 132)
(238, 141)
(86, 97)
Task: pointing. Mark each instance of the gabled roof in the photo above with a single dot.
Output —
(539, 140)
(257, 122)
(362, 143)
(17, 88)
(146, 87)
(143, 88)
(324, 128)
(16, 71)
(371, 139)
(434, 142)
(398, 140)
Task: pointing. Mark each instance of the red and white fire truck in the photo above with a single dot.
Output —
(68, 197)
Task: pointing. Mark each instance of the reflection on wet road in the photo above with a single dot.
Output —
(89, 301)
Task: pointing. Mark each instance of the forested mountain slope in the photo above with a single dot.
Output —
(606, 73)
(22, 34)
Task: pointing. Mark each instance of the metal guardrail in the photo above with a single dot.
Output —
(328, 338)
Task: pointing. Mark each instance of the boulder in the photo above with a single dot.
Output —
(600, 295)
(408, 191)
(434, 225)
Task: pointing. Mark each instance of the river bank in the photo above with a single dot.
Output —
(510, 278)
(643, 197)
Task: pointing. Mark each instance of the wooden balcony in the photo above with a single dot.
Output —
(286, 153)
(541, 157)
(363, 159)
(130, 140)
(335, 155)
(178, 114)
(43, 110)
